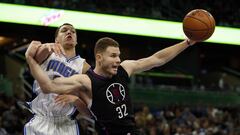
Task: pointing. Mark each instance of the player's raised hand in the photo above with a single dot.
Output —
(32, 49)
(54, 47)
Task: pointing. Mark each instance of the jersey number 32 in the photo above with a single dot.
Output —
(122, 111)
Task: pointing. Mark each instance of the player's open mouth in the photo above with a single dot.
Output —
(69, 37)
(115, 67)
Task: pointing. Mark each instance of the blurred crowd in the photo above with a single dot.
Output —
(225, 13)
(179, 120)
(12, 118)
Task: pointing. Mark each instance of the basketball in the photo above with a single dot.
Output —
(198, 25)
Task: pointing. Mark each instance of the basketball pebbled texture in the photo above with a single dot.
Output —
(198, 25)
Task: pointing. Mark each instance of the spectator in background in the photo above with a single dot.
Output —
(221, 82)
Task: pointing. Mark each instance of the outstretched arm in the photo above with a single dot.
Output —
(159, 58)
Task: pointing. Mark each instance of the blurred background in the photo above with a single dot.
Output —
(197, 93)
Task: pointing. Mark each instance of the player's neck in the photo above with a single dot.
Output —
(101, 72)
(70, 53)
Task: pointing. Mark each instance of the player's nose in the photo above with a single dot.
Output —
(69, 32)
(118, 60)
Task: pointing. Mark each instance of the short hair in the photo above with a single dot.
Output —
(103, 43)
(56, 32)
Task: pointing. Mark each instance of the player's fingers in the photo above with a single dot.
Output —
(35, 42)
(65, 105)
(32, 48)
(49, 48)
(60, 98)
(62, 104)
(54, 49)
(58, 50)
(190, 42)
(61, 48)
(59, 101)
(64, 99)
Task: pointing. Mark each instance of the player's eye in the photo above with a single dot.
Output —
(113, 55)
(63, 30)
(73, 31)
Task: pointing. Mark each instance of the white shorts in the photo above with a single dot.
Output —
(42, 125)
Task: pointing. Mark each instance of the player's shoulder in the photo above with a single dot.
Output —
(126, 62)
(127, 66)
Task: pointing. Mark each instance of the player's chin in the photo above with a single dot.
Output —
(114, 71)
(70, 43)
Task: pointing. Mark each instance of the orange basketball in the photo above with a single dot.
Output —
(198, 25)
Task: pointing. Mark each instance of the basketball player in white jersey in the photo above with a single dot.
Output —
(51, 118)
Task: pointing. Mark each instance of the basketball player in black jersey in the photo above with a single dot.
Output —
(105, 88)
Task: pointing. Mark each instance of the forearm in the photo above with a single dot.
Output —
(42, 54)
(59, 85)
(157, 59)
(167, 54)
(39, 74)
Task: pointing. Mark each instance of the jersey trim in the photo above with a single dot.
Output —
(97, 76)
(73, 58)
(72, 113)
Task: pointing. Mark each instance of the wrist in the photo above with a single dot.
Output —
(28, 59)
(188, 42)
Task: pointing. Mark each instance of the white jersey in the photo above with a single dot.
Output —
(55, 66)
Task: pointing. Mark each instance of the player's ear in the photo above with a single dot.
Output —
(98, 56)
(56, 40)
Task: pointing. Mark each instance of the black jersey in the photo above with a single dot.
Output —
(111, 103)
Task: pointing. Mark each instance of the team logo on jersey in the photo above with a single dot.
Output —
(60, 67)
(115, 93)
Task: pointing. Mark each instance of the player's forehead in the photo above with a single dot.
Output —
(112, 50)
(67, 26)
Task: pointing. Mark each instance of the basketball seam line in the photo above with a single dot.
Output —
(203, 23)
(199, 20)
(209, 30)
(211, 23)
(195, 30)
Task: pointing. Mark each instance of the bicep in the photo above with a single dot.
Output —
(66, 84)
